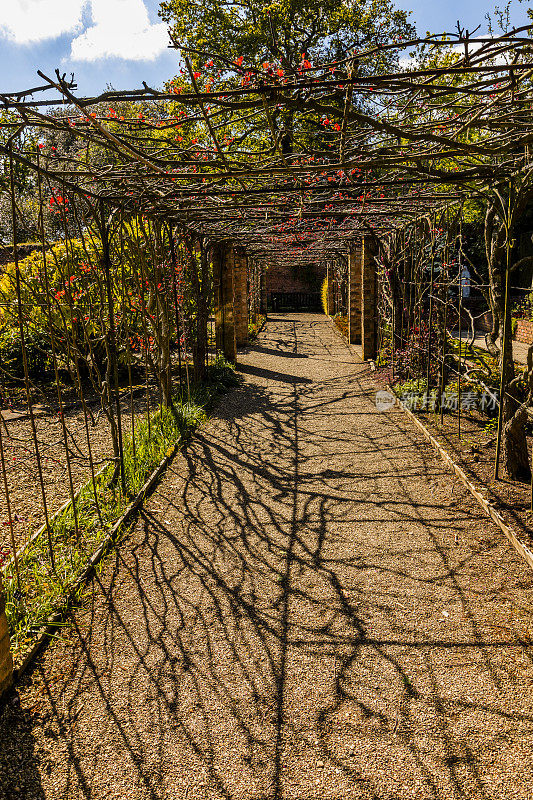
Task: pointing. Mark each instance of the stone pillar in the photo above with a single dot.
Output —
(223, 291)
(6, 661)
(354, 295)
(240, 277)
(263, 304)
(368, 311)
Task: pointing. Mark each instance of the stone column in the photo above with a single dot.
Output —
(263, 304)
(368, 287)
(223, 291)
(240, 277)
(354, 294)
(6, 660)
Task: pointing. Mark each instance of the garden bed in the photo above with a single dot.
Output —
(51, 562)
(24, 490)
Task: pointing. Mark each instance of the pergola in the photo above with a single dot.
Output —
(295, 168)
(242, 167)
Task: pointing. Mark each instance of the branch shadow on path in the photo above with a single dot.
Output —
(274, 628)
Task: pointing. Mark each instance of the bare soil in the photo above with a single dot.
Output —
(21, 464)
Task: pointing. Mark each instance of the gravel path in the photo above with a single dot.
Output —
(310, 607)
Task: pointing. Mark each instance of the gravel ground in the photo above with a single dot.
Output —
(309, 607)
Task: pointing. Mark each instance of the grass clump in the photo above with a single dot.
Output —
(221, 376)
(153, 442)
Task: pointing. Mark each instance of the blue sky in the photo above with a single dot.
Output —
(123, 42)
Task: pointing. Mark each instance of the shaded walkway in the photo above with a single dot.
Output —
(310, 607)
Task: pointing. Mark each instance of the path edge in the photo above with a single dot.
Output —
(521, 548)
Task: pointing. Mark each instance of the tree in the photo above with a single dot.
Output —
(506, 206)
(286, 31)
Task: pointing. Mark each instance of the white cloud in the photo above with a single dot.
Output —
(121, 29)
(116, 28)
(27, 21)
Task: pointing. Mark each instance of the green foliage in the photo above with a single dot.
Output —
(24, 177)
(523, 309)
(341, 321)
(279, 38)
(486, 369)
(44, 590)
(255, 327)
(38, 354)
(221, 375)
(413, 385)
(283, 30)
(324, 295)
(65, 292)
(72, 277)
(152, 443)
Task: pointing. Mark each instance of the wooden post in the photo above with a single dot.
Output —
(6, 660)
(368, 295)
(240, 277)
(223, 289)
(354, 295)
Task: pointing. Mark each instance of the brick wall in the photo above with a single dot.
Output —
(6, 661)
(280, 278)
(355, 265)
(240, 295)
(524, 331)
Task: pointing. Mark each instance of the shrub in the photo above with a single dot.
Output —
(341, 321)
(37, 352)
(221, 375)
(324, 295)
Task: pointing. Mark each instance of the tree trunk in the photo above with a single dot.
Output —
(515, 452)
(201, 285)
(165, 374)
(514, 415)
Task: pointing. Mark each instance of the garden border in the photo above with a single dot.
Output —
(520, 547)
(53, 623)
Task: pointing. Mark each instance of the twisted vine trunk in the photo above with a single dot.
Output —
(499, 341)
(201, 286)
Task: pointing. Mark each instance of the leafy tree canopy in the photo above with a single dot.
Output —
(284, 30)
